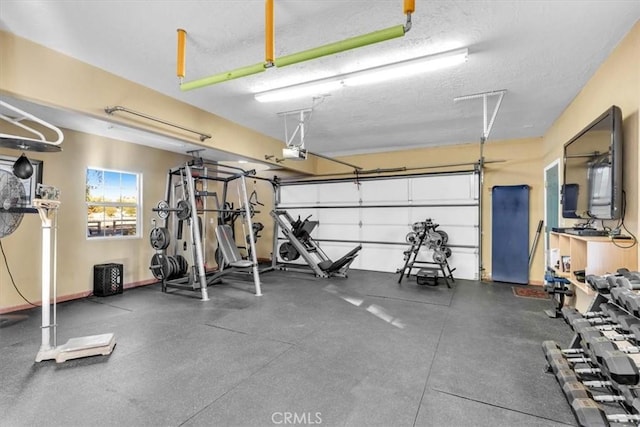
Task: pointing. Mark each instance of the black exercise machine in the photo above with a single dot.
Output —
(300, 244)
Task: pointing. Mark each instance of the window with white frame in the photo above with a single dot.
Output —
(113, 203)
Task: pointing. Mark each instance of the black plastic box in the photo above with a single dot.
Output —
(107, 279)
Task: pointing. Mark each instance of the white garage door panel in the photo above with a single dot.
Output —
(446, 216)
(443, 187)
(465, 261)
(384, 233)
(339, 216)
(462, 235)
(391, 225)
(388, 191)
(381, 258)
(337, 231)
(298, 195)
(338, 193)
(382, 216)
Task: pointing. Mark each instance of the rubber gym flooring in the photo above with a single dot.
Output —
(362, 351)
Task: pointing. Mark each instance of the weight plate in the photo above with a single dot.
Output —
(184, 210)
(439, 256)
(419, 227)
(184, 265)
(159, 266)
(447, 252)
(445, 236)
(162, 209)
(288, 252)
(159, 238)
(411, 237)
(174, 267)
(434, 238)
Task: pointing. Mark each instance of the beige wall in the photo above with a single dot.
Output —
(616, 82)
(77, 255)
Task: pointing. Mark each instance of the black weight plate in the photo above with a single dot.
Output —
(288, 252)
(445, 236)
(159, 238)
(184, 265)
(175, 267)
(184, 210)
(159, 266)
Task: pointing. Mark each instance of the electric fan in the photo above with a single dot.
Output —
(12, 196)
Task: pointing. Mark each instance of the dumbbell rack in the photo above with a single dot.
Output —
(599, 372)
(411, 262)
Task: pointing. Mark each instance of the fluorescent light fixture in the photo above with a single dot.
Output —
(396, 70)
(313, 88)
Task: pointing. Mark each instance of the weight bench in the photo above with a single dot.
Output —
(340, 267)
(229, 249)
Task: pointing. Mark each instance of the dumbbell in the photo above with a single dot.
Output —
(630, 301)
(598, 347)
(598, 283)
(616, 293)
(621, 367)
(560, 359)
(569, 314)
(582, 370)
(590, 414)
(576, 390)
(631, 282)
(615, 332)
(622, 370)
(623, 322)
(608, 313)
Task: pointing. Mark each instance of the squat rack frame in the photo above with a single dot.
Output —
(187, 184)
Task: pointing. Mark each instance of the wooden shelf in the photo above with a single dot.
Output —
(594, 255)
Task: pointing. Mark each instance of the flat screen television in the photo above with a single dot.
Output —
(593, 170)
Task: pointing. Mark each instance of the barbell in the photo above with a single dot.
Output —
(182, 209)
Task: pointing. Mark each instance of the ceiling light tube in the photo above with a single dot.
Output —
(308, 89)
(396, 70)
(407, 68)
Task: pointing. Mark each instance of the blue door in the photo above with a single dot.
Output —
(510, 234)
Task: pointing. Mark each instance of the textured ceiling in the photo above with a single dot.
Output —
(541, 52)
